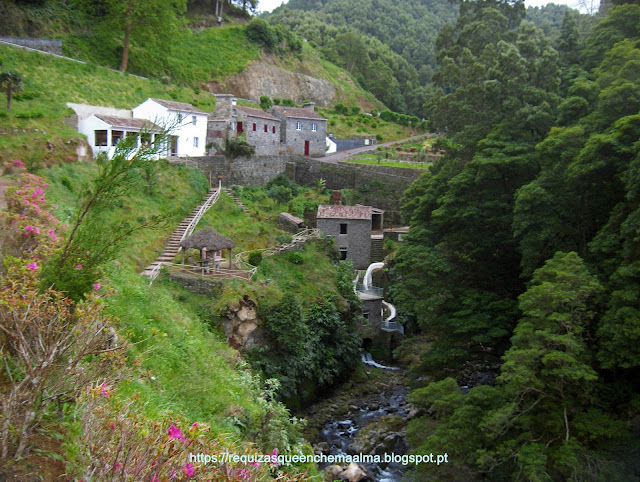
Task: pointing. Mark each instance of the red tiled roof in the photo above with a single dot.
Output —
(344, 212)
(179, 106)
(298, 113)
(129, 123)
(257, 113)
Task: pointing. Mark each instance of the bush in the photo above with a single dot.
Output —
(295, 257)
(288, 103)
(265, 102)
(276, 100)
(255, 258)
(260, 32)
(282, 180)
(355, 110)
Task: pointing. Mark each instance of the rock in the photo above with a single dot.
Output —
(334, 470)
(321, 448)
(354, 473)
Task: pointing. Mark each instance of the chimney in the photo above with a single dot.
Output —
(309, 105)
(336, 198)
(224, 105)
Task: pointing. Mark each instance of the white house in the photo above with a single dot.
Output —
(103, 132)
(186, 123)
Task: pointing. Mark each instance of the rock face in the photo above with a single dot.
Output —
(262, 78)
(242, 326)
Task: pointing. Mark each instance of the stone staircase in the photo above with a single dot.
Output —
(236, 200)
(173, 245)
(377, 249)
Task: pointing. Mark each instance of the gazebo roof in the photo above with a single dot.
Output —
(208, 238)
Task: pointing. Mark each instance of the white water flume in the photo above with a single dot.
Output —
(367, 359)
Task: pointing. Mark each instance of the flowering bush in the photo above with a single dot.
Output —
(117, 442)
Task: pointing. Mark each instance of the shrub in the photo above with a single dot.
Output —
(260, 32)
(288, 103)
(282, 180)
(379, 137)
(255, 258)
(265, 102)
(355, 110)
(295, 257)
(276, 100)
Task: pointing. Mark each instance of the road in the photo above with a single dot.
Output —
(342, 155)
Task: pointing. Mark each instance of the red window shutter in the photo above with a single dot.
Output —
(266, 127)
(274, 129)
(254, 126)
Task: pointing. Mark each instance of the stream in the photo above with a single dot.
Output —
(366, 417)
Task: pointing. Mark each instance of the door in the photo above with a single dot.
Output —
(306, 148)
(174, 145)
(239, 129)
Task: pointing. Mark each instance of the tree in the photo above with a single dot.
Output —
(10, 82)
(152, 22)
(233, 148)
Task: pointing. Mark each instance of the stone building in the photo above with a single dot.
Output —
(261, 129)
(303, 131)
(351, 227)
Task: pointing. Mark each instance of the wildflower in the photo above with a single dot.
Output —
(155, 479)
(29, 228)
(79, 267)
(96, 286)
(274, 457)
(36, 230)
(255, 464)
(195, 424)
(116, 466)
(174, 432)
(33, 266)
(104, 391)
(188, 470)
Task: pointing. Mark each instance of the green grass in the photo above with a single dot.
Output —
(49, 83)
(177, 191)
(372, 161)
(346, 126)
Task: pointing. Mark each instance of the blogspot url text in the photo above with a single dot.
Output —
(281, 459)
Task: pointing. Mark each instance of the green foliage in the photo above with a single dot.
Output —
(283, 181)
(262, 33)
(295, 257)
(10, 82)
(288, 103)
(265, 103)
(280, 194)
(255, 258)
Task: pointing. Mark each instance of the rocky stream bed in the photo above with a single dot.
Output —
(367, 415)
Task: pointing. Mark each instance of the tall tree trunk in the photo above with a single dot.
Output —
(125, 48)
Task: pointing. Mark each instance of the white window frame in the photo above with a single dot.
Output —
(194, 119)
(314, 127)
(298, 125)
(195, 142)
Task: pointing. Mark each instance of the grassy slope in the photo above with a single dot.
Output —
(49, 83)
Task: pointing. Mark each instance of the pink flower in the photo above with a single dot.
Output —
(37, 230)
(116, 466)
(274, 457)
(29, 228)
(255, 464)
(96, 286)
(33, 266)
(104, 391)
(174, 432)
(188, 470)
(195, 424)
(155, 479)
(79, 267)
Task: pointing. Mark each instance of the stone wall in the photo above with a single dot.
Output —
(197, 284)
(264, 142)
(52, 46)
(377, 186)
(256, 171)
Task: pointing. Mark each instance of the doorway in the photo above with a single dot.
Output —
(306, 148)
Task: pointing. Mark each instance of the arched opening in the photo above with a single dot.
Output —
(366, 344)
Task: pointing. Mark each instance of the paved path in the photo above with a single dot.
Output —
(342, 155)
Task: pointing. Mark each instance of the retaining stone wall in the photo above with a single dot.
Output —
(198, 285)
(46, 45)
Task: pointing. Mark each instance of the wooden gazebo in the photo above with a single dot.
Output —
(208, 240)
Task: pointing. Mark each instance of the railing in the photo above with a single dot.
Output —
(155, 272)
(213, 272)
(298, 238)
(203, 209)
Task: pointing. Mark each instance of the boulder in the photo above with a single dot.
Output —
(354, 473)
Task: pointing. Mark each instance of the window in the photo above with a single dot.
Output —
(298, 126)
(116, 136)
(314, 127)
(179, 117)
(194, 119)
(101, 138)
(195, 142)
(365, 315)
(254, 127)
(273, 129)
(266, 128)
(145, 139)
(343, 254)
(343, 228)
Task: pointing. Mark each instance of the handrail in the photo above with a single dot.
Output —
(155, 272)
(301, 237)
(235, 273)
(211, 200)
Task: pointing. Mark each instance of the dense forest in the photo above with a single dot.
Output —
(524, 245)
